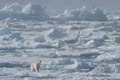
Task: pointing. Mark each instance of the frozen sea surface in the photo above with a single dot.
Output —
(69, 50)
(84, 50)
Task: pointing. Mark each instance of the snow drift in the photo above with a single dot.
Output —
(85, 13)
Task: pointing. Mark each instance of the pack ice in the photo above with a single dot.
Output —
(83, 14)
(80, 44)
(30, 11)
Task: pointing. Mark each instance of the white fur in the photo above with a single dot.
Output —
(35, 66)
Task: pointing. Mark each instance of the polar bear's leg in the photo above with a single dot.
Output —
(37, 69)
(32, 67)
(32, 70)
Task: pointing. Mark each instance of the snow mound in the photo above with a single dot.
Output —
(85, 13)
(35, 10)
(15, 7)
(4, 31)
(55, 34)
(41, 38)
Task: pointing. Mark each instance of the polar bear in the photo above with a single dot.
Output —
(35, 66)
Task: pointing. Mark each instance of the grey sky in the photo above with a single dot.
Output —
(69, 4)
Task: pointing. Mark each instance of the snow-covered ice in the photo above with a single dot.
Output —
(82, 44)
(15, 7)
(28, 12)
(84, 13)
(4, 31)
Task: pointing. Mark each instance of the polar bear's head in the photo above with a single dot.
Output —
(39, 61)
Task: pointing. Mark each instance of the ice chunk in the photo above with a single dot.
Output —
(4, 31)
(54, 54)
(14, 36)
(46, 45)
(35, 10)
(73, 37)
(97, 40)
(62, 62)
(104, 28)
(13, 15)
(94, 43)
(29, 12)
(41, 38)
(85, 13)
(101, 37)
(38, 76)
(117, 39)
(59, 63)
(78, 64)
(55, 34)
(67, 63)
(12, 64)
(21, 75)
(15, 7)
(116, 68)
(108, 57)
(107, 68)
(89, 54)
(103, 68)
